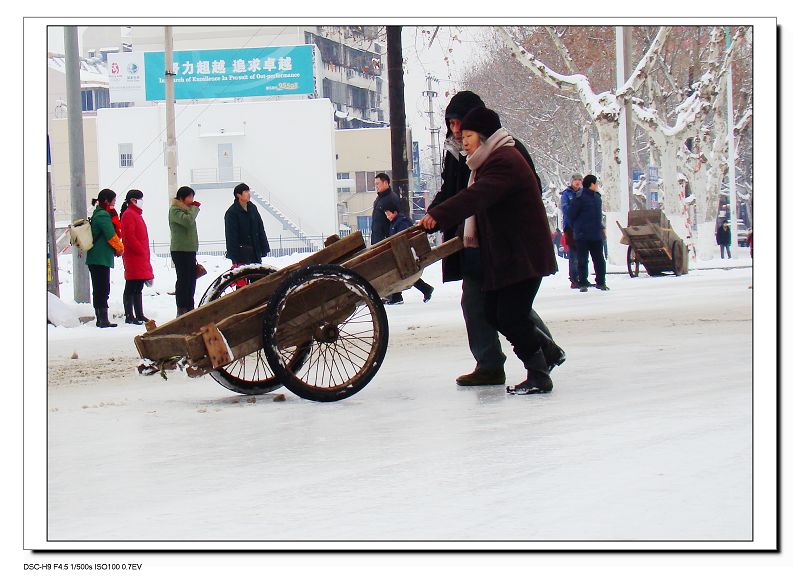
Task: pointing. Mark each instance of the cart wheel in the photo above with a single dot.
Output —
(633, 263)
(340, 315)
(250, 375)
(677, 259)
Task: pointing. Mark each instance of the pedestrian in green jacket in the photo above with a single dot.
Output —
(100, 258)
(183, 246)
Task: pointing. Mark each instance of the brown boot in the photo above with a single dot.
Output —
(483, 377)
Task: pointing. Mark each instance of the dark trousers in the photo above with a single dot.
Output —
(595, 248)
(484, 343)
(722, 249)
(133, 288)
(572, 254)
(101, 285)
(185, 262)
(509, 311)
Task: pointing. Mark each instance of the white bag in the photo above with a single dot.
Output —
(80, 235)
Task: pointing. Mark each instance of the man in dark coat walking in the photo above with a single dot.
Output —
(504, 214)
(245, 238)
(724, 240)
(483, 338)
(567, 195)
(586, 216)
(380, 224)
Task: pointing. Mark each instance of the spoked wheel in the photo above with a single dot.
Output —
(340, 316)
(250, 375)
(633, 263)
(677, 258)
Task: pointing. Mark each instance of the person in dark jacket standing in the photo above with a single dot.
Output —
(397, 223)
(724, 240)
(567, 195)
(100, 258)
(586, 218)
(245, 238)
(136, 257)
(502, 209)
(380, 224)
(183, 246)
(482, 336)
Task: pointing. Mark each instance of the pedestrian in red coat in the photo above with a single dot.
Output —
(136, 257)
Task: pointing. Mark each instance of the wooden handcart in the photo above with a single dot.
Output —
(317, 327)
(654, 244)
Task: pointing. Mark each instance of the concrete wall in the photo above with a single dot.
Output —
(59, 153)
(283, 150)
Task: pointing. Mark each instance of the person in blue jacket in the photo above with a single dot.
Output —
(586, 218)
(397, 223)
(566, 198)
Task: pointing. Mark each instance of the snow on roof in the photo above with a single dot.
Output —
(93, 70)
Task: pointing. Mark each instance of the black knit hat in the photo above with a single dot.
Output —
(481, 120)
(461, 103)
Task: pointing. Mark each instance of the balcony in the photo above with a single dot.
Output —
(216, 178)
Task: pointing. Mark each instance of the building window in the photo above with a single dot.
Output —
(101, 98)
(365, 181)
(125, 155)
(87, 102)
(343, 175)
(343, 189)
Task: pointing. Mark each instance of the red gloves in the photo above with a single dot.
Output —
(196, 203)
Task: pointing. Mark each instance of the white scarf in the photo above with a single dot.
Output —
(499, 139)
(454, 147)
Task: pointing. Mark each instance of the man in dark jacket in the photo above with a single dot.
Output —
(483, 338)
(586, 217)
(397, 223)
(724, 240)
(567, 195)
(245, 238)
(380, 224)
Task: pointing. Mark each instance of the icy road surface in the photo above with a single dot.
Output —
(647, 435)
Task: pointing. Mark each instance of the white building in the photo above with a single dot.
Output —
(283, 150)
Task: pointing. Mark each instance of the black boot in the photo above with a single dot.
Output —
(102, 318)
(127, 302)
(138, 310)
(538, 380)
(553, 354)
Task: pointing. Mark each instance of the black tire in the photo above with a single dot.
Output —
(348, 357)
(677, 258)
(633, 263)
(250, 375)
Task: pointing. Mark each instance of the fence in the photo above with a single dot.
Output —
(279, 246)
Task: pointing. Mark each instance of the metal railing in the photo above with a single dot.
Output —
(216, 175)
(279, 246)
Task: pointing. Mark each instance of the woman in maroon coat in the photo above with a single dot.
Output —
(504, 212)
(135, 258)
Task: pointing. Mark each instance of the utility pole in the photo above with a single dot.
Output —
(169, 105)
(77, 169)
(732, 198)
(434, 131)
(52, 251)
(397, 114)
(625, 127)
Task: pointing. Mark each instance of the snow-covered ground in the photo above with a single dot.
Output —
(646, 436)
